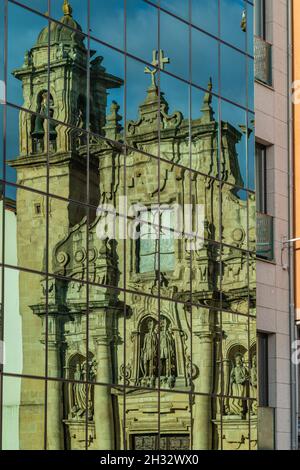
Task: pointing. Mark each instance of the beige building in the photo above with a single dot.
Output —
(275, 317)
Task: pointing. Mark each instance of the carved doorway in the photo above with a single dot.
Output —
(165, 442)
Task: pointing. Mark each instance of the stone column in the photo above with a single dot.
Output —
(203, 359)
(103, 412)
(54, 390)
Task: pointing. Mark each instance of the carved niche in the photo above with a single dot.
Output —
(81, 391)
(157, 353)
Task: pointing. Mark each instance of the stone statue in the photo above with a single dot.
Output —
(28, 59)
(149, 352)
(78, 394)
(61, 52)
(253, 385)
(239, 379)
(83, 393)
(167, 354)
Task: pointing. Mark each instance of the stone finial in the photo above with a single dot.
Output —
(244, 22)
(113, 126)
(67, 9)
(207, 109)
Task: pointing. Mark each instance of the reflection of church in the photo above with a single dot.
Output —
(136, 340)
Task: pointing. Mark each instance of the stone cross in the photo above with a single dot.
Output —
(158, 60)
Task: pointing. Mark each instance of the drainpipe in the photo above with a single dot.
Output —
(292, 317)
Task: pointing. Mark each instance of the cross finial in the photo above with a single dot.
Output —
(158, 61)
(67, 9)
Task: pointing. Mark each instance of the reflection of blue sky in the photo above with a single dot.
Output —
(204, 59)
(231, 16)
(23, 30)
(142, 38)
(205, 15)
(233, 75)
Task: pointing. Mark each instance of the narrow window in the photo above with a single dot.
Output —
(261, 178)
(260, 19)
(263, 369)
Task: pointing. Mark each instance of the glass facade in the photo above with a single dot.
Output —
(128, 225)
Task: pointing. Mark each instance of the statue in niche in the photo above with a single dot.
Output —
(45, 110)
(61, 53)
(149, 353)
(167, 354)
(28, 59)
(157, 343)
(82, 394)
(253, 385)
(239, 379)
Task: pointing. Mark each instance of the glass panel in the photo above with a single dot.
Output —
(68, 164)
(205, 60)
(178, 7)
(26, 144)
(236, 381)
(206, 423)
(174, 41)
(142, 102)
(29, 227)
(23, 414)
(24, 325)
(175, 348)
(141, 17)
(205, 15)
(233, 75)
(107, 330)
(234, 144)
(234, 216)
(206, 275)
(142, 341)
(19, 66)
(67, 239)
(141, 420)
(2, 49)
(250, 85)
(106, 91)
(206, 351)
(206, 197)
(252, 285)
(67, 334)
(251, 152)
(205, 131)
(266, 233)
(174, 118)
(59, 415)
(141, 353)
(235, 287)
(142, 195)
(234, 22)
(126, 300)
(68, 65)
(175, 421)
(111, 27)
(2, 131)
(75, 16)
(39, 5)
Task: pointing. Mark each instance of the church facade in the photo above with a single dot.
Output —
(138, 314)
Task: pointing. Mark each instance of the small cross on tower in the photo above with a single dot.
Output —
(158, 61)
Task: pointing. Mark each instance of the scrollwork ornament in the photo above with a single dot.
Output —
(125, 373)
(62, 258)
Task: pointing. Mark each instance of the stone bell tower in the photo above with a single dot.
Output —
(54, 80)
